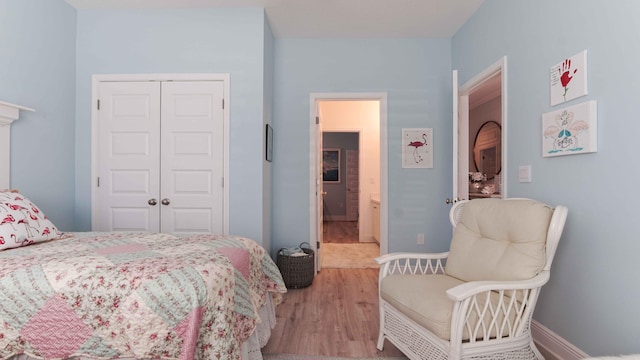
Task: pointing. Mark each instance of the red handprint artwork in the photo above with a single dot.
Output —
(569, 78)
(565, 78)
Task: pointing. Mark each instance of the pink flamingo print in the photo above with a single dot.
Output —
(46, 231)
(34, 218)
(1, 240)
(28, 227)
(9, 219)
(15, 207)
(418, 144)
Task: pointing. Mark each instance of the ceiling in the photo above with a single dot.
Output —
(332, 18)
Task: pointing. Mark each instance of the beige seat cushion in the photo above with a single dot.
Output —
(499, 240)
(423, 298)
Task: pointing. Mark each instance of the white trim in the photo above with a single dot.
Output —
(553, 344)
(499, 66)
(95, 82)
(384, 203)
(8, 114)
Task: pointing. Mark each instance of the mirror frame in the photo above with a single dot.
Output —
(476, 151)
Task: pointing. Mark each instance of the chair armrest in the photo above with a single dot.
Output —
(471, 288)
(402, 256)
(485, 310)
(411, 263)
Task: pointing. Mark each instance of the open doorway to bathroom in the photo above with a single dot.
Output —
(351, 179)
(341, 185)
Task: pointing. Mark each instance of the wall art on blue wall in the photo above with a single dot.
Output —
(572, 130)
(569, 79)
(417, 148)
(331, 165)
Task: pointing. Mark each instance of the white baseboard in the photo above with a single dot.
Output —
(552, 344)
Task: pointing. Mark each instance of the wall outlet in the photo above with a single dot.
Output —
(420, 239)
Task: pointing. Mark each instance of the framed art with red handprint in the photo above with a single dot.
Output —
(569, 79)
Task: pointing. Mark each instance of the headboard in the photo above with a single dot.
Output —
(8, 114)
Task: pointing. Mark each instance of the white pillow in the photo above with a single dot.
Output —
(22, 222)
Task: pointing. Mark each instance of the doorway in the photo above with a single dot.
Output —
(328, 115)
(480, 134)
(341, 183)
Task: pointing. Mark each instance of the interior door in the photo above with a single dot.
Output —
(192, 156)
(353, 185)
(319, 193)
(161, 156)
(128, 156)
(460, 143)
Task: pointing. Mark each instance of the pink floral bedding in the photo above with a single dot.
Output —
(113, 295)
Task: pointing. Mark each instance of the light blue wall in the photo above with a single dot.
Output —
(592, 298)
(416, 74)
(182, 41)
(37, 70)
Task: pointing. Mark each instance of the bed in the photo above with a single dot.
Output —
(127, 295)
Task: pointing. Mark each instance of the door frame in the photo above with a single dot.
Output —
(500, 66)
(95, 86)
(314, 98)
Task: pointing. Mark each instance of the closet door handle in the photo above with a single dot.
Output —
(166, 201)
(152, 202)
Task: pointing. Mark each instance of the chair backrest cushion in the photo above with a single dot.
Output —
(499, 239)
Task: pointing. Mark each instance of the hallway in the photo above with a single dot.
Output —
(342, 250)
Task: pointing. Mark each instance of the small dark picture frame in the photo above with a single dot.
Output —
(269, 143)
(331, 165)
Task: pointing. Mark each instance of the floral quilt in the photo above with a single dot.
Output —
(140, 295)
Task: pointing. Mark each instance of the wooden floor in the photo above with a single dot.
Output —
(342, 232)
(336, 316)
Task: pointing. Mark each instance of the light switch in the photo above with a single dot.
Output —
(524, 174)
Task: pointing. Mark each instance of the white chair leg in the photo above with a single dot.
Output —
(380, 345)
(536, 351)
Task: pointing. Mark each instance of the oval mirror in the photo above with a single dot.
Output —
(487, 149)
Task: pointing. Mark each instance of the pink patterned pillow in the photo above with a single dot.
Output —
(22, 223)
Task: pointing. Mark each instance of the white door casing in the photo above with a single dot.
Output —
(196, 150)
(319, 192)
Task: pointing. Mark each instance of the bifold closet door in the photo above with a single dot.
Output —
(129, 156)
(161, 156)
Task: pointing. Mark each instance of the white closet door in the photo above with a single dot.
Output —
(192, 155)
(129, 156)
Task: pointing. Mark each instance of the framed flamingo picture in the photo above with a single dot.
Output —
(417, 148)
(572, 130)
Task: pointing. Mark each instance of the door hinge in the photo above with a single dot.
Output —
(223, 104)
(98, 182)
(317, 120)
(98, 104)
(223, 182)
(318, 245)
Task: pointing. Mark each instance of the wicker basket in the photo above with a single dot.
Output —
(297, 271)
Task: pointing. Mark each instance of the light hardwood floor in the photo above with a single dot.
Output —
(343, 232)
(336, 316)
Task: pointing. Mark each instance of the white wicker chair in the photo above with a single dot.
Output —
(477, 300)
